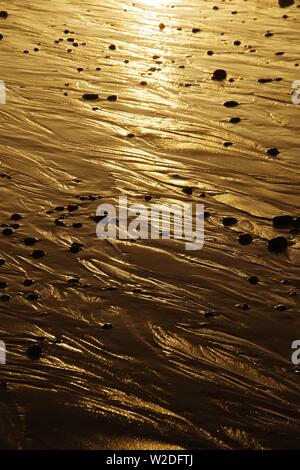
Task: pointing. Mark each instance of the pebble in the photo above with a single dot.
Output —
(7, 232)
(245, 239)
(281, 308)
(273, 152)
(76, 247)
(34, 352)
(162, 26)
(278, 244)
(112, 47)
(30, 241)
(3, 285)
(282, 221)
(107, 326)
(235, 120)
(28, 282)
(38, 254)
(219, 75)
(285, 3)
(59, 222)
(231, 104)
(77, 225)
(90, 96)
(72, 207)
(196, 30)
(243, 306)
(209, 314)
(253, 280)
(229, 221)
(5, 298)
(15, 217)
(112, 98)
(33, 296)
(2, 262)
(3, 14)
(188, 190)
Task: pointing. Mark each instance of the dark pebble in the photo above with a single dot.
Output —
(273, 152)
(33, 296)
(72, 207)
(112, 47)
(28, 282)
(76, 248)
(73, 281)
(7, 232)
(283, 221)
(265, 80)
(90, 96)
(219, 74)
(3, 14)
(3, 285)
(107, 326)
(196, 30)
(281, 308)
(15, 226)
(38, 254)
(77, 225)
(34, 352)
(30, 241)
(188, 190)
(148, 197)
(285, 3)
(245, 239)
(231, 104)
(235, 120)
(243, 306)
(16, 217)
(277, 245)
(2, 262)
(229, 221)
(209, 314)
(59, 222)
(5, 298)
(253, 280)
(112, 98)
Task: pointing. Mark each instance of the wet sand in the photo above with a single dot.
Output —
(199, 353)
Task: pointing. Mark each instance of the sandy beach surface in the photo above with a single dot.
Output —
(141, 344)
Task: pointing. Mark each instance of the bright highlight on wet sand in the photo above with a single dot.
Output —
(138, 343)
